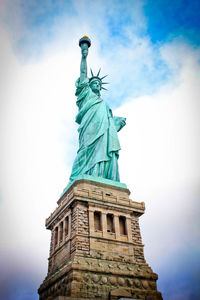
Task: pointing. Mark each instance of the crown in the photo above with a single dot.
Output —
(96, 77)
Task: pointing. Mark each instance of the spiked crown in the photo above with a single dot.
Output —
(96, 77)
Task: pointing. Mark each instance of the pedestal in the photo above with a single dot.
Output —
(96, 250)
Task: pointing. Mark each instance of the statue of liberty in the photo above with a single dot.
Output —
(98, 140)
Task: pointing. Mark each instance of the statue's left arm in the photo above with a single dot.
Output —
(119, 122)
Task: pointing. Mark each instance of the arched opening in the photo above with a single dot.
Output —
(122, 225)
(97, 221)
(56, 237)
(110, 223)
(66, 226)
(61, 231)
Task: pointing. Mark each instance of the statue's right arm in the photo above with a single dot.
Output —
(83, 67)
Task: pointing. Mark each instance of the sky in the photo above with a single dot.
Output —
(151, 52)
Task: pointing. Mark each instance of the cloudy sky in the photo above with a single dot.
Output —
(151, 51)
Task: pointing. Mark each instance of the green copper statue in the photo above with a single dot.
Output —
(98, 140)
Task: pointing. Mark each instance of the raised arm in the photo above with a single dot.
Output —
(83, 67)
(84, 43)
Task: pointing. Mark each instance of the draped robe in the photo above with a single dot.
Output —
(98, 140)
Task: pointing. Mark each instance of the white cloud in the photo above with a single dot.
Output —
(119, 43)
(160, 146)
(35, 123)
(159, 157)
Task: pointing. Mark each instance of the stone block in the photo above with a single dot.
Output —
(102, 256)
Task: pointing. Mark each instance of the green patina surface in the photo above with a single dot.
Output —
(95, 179)
(98, 139)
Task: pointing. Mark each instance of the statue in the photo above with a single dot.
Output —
(98, 140)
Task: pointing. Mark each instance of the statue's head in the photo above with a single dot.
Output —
(96, 83)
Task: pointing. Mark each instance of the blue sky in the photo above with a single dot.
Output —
(151, 52)
(167, 21)
(34, 26)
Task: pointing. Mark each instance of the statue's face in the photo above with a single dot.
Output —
(95, 86)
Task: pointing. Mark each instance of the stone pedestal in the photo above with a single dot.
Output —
(96, 250)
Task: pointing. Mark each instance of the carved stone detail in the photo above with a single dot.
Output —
(91, 262)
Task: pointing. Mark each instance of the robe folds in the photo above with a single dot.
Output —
(98, 140)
